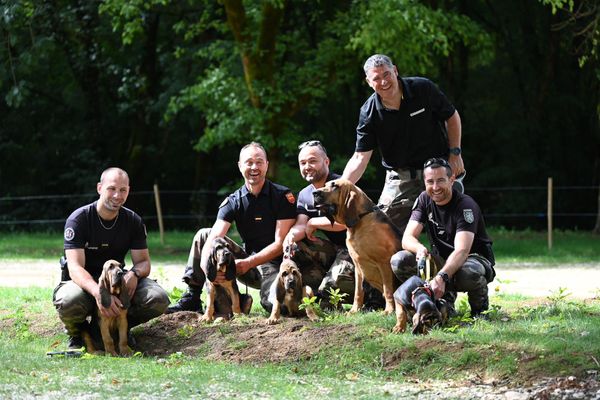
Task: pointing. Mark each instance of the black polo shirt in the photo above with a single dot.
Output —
(83, 230)
(256, 216)
(407, 137)
(306, 206)
(443, 222)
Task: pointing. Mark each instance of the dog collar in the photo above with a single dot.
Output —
(361, 215)
(426, 288)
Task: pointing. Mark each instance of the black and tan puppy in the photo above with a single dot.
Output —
(221, 259)
(286, 293)
(371, 238)
(415, 298)
(111, 283)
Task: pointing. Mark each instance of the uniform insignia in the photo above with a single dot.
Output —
(223, 203)
(69, 234)
(258, 218)
(469, 216)
(290, 197)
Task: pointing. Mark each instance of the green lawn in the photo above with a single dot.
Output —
(509, 246)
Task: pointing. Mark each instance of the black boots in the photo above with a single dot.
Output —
(189, 301)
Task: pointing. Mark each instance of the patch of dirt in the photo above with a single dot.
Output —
(246, 339)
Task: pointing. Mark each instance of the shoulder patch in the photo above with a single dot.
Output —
(290, 197)
(223, 202)
(69, 234)
(469, 216)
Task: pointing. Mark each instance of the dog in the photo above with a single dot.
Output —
(415, 298)
(286, 293)
(111, 283)
(221, 297)
(371, 238)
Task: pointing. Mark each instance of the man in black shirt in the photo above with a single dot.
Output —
(409, 120)
(94, 234)
(457, 234)
(263, 212)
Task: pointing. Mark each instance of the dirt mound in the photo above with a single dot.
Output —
(244, 339)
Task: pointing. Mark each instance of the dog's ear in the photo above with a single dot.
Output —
(351, 209)
(230, 271)
(104, 284)
(417, 324)
(124, 296)
(211, 265)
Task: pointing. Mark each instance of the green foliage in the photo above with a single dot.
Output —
(313, 304)
(335, 297)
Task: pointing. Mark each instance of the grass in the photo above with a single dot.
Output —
(510, 246)
(524, 339)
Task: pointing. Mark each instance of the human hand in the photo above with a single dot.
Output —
(457, 164)
(242, 265)
(131, 282)
(310, 231)
(438, 286)
(111, 311)
(422, 252)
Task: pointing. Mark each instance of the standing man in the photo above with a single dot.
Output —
(315, 256)
(409, 120)
(94, 234)
(263, 212)
(458, 238)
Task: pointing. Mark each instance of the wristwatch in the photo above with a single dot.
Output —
(444, 276)
(135, 272)
(455, 150)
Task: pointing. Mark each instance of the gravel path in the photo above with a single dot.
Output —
(580, 280)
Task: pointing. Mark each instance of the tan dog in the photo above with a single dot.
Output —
(221, 259)
(112, 284)
(372, 238)
(287, 292)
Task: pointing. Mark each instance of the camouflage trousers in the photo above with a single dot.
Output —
(74, 305)
(194, 276)
(473, 277)
(326, 266)
(399, 193)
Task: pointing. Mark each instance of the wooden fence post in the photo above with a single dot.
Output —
(159, 215)
(550, 213)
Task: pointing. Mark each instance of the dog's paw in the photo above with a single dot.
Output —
(272, 321)
(388, 310)
(206, 319)
(126, 351)
(398, 328)
(353, 310)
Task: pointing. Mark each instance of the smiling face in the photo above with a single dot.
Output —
(253, 165)
(314, 165)
(113, 189)
(384, 81)
(438, 185)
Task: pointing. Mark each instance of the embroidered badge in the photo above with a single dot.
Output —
(469, 216)
(290, 197)
(69, 234)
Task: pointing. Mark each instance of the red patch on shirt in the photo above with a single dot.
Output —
(290, 197)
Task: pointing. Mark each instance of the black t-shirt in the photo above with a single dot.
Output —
(407, 137)
(306, 206)
(256, 216)
(443, 222)
(83, 230)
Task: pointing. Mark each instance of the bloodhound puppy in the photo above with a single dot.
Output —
(286, 293)
(221, 260)
(371, 238)
(111, 284)
(415, 298)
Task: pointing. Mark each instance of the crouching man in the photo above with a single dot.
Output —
(459, 242)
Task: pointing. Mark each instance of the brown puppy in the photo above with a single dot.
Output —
(415, 298)
(111, 284)
(371, 238)
(287, 292)
(221, 260)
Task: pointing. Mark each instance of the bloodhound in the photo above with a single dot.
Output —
(221, 296)
(286, 293)
(415, 297)
(111, 283)
(371, 238)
